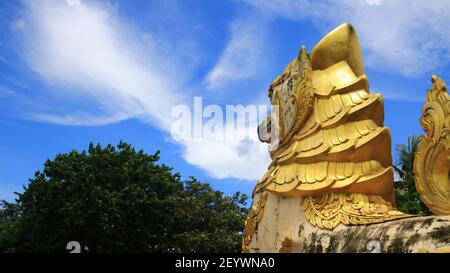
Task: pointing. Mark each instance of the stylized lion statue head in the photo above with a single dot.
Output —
(326, 129)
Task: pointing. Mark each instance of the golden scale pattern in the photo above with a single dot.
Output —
(315, 176)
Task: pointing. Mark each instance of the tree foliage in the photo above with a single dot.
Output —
(9, 219)
(119, 200)
(408, 199)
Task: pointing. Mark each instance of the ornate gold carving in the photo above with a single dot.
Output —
(332, 209)
(334, 140)
(294, 101)
(432, 161)
(304, 98)
(251, 224)
(303, 94)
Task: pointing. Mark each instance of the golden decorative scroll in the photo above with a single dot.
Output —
(294, 97)
(332, 209)
(251, 224)
(432, 161)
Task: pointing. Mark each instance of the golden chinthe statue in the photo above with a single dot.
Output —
(331, 154)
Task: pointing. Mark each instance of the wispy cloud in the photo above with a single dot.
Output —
(6, 92)
(240, 59)
(400, 96)
(242, 157)
(93, 54)
(89, 54)
(408, 37)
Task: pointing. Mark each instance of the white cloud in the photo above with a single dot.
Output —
(242, 157)
(6, 92)
(395, 95)
(240, 59)
(408, 37)
(226, 145)
(81, 118)
(88, 52)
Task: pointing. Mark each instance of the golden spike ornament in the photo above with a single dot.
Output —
(432, 160)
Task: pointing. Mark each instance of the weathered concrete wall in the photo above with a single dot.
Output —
(284, 228)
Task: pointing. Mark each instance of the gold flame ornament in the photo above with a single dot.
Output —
(432, 160)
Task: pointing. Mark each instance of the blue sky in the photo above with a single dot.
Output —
(76, 71)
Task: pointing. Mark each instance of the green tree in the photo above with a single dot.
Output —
(120, 200)
(408, 199)
(212, 223)
(9, 219)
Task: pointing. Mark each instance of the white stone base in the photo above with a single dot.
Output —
(284, 221)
